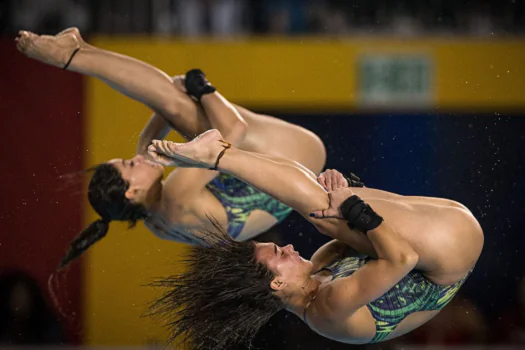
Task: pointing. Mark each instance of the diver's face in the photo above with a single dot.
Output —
(141, 174)
(290, 270)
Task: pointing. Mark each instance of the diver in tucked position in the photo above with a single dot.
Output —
(178, 207)
(414, 255)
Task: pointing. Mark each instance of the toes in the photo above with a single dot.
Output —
(159, 158)
(21, 43)
(25, 34)
(23, 40)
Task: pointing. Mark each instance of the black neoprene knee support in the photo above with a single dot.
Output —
(360, 215)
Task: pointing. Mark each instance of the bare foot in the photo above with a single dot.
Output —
(53, 50)
(201, 152)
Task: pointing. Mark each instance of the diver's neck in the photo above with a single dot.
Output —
(297, 304)
(153, 201)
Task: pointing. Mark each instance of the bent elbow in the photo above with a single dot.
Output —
(409, 259)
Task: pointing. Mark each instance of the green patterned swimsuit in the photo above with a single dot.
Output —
(240, 199)
(412, 294)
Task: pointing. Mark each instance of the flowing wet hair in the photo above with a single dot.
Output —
(107, 195)
(222, 298)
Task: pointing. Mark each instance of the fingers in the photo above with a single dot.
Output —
(336, 197)
(322, 181)
(341, 181)
(332, 180)
(329, 213)
(317, 214)
(341, 192)
(329, 182)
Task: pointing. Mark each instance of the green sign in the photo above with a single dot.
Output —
(395, 80)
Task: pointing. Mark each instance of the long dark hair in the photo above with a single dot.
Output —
(222, 298)
(107, 195)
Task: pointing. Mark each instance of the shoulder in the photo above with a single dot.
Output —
(335, 318)
(332, 317)
(334, 301)
(187, 181)
(195, 211)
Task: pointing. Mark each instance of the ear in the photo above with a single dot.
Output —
(277, 284)
(132, 193)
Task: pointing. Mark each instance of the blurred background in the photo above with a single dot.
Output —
(422, 98)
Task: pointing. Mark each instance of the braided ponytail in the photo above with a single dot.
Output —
(92, 234)
(107, 195)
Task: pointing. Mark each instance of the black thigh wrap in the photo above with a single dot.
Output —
(360, 215)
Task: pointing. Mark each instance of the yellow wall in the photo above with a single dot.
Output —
(125, 260)
(322, 74)
(298, 74)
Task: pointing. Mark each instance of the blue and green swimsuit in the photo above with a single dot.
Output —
(240, 199)
(412, 294)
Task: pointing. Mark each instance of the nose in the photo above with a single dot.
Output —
(138, 158)
(290, 248)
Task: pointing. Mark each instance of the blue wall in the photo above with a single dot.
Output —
(477, 160)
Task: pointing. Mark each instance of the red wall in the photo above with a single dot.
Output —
(41, 138)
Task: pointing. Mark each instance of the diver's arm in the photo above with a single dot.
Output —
(395, 259)
(157, 128)
(329, 252)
